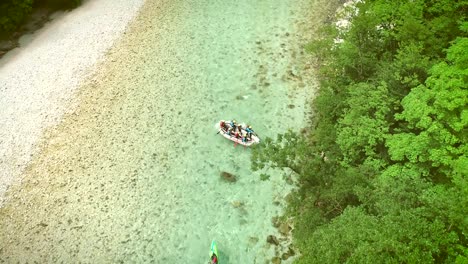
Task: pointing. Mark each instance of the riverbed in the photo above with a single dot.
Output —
(132, 174)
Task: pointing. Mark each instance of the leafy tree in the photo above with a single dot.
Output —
(383, 172)
(59, 4)
(12, 13)
(357, 237)
(365, 123)
(437, 117)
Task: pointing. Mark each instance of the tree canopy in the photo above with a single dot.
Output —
(383, 174)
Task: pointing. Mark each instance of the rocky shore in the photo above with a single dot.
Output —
(38, 79)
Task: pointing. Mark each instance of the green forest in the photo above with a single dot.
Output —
(383, 167)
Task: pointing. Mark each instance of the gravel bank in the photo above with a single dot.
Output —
(38, 80)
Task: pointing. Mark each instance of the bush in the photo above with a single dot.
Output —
(12, 13)
(59, 4)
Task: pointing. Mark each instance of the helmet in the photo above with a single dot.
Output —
(249, 126)
(234, 121)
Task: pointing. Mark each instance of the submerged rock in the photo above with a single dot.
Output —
(253, 240)
(276, 260)
(284, 228)
(237, 204)
(275, 220)
(288, 254)
(272, 240)
(228, 176)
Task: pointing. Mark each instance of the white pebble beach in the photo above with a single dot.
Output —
(38, 80)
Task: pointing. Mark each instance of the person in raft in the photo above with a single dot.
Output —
(239, 128)
(223, 125)
(230, 127)
(244, 138)
(250, 131)
(233, 123)
(214, 259)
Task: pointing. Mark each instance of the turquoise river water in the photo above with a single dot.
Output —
(133, 173)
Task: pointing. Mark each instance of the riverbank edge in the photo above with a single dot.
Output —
(285, 223)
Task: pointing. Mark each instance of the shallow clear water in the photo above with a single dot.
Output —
(133, 174)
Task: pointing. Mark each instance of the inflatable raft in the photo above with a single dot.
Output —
(233, 134)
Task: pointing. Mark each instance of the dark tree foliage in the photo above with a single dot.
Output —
(58, 4)
(13, 12)
(384, 172)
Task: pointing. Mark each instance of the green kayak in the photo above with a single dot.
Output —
(214, 253)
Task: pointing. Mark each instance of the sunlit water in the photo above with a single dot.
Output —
(133, 174)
